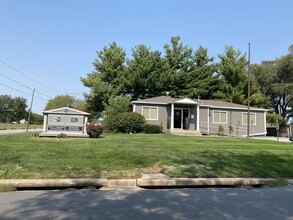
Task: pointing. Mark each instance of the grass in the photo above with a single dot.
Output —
(6, 126)
(124, 156)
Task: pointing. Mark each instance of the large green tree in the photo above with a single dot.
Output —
(233, 77)
(275, 80)
(106, 80)
(144, 73)
(180, 63)
(202, 81)
(282, 97)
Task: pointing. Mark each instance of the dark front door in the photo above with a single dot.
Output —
(177, 118)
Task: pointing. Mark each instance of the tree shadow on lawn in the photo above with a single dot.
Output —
(230, 164)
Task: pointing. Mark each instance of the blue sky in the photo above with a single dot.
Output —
(50, 44)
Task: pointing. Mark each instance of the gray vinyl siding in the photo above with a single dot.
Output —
(203, 120)
(234, 119)
(162, 114)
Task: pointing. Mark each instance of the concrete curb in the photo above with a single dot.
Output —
(202, 182)
(48, 183)
(138, 183)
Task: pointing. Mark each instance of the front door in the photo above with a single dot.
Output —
(177, 118)
(181, 119)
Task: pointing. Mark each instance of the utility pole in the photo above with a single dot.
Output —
(248, 93)
(30, 110)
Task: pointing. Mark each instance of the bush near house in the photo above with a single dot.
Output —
(94, 130)
(129, 122)
(152, 129)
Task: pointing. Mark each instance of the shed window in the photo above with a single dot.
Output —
(220, 117)
(252, 118)
(150, 113)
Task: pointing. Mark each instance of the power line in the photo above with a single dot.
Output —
(21, 91)
(17, 70)
(23, 85)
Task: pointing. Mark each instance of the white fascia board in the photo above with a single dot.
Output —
(152, 103)
(234, 108)
(186, 101)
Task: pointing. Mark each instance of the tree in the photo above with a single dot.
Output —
(107, 78)
(12, 109)
(282, 96)
(232, 75)
(18, 110)
(203, 80)
(179, 63)
(144, 73)
(61, 101)
(6, 103)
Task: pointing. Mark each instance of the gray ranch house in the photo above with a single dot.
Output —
(195, 117)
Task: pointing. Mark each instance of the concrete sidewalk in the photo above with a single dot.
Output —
(150, 182)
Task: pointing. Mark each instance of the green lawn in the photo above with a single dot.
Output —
(124, 156)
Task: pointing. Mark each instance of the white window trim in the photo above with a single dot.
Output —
(247, 114)
(226, 121)
(151, 107)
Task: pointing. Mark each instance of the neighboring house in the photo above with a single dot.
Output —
(201, 116)
(65, 120)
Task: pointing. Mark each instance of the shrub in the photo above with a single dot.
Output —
(152, 129)
(61, 135)
(118, 104)
(94, 130)
(231, 130)
(128, 122)
(221, 130)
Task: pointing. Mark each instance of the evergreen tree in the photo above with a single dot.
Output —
(179, 63)
(232, 76)
(203, 80)
(105, 81)
(144, 73)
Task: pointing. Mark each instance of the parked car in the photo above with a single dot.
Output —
(291, 137)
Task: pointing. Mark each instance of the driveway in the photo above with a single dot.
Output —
(12, 131)
(281, 139)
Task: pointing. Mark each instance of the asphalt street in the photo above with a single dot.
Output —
(204, 203)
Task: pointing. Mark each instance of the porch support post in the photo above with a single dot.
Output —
(197, 117)
(45, 123)
(84, 126)
(172, 116)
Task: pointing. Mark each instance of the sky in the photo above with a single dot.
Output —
(49, 44)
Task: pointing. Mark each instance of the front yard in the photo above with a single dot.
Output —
(125, 156)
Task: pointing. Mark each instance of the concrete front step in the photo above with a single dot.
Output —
(185, 132)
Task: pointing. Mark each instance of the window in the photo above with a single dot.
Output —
(220, 117)
(150, 113)
(252, 118)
